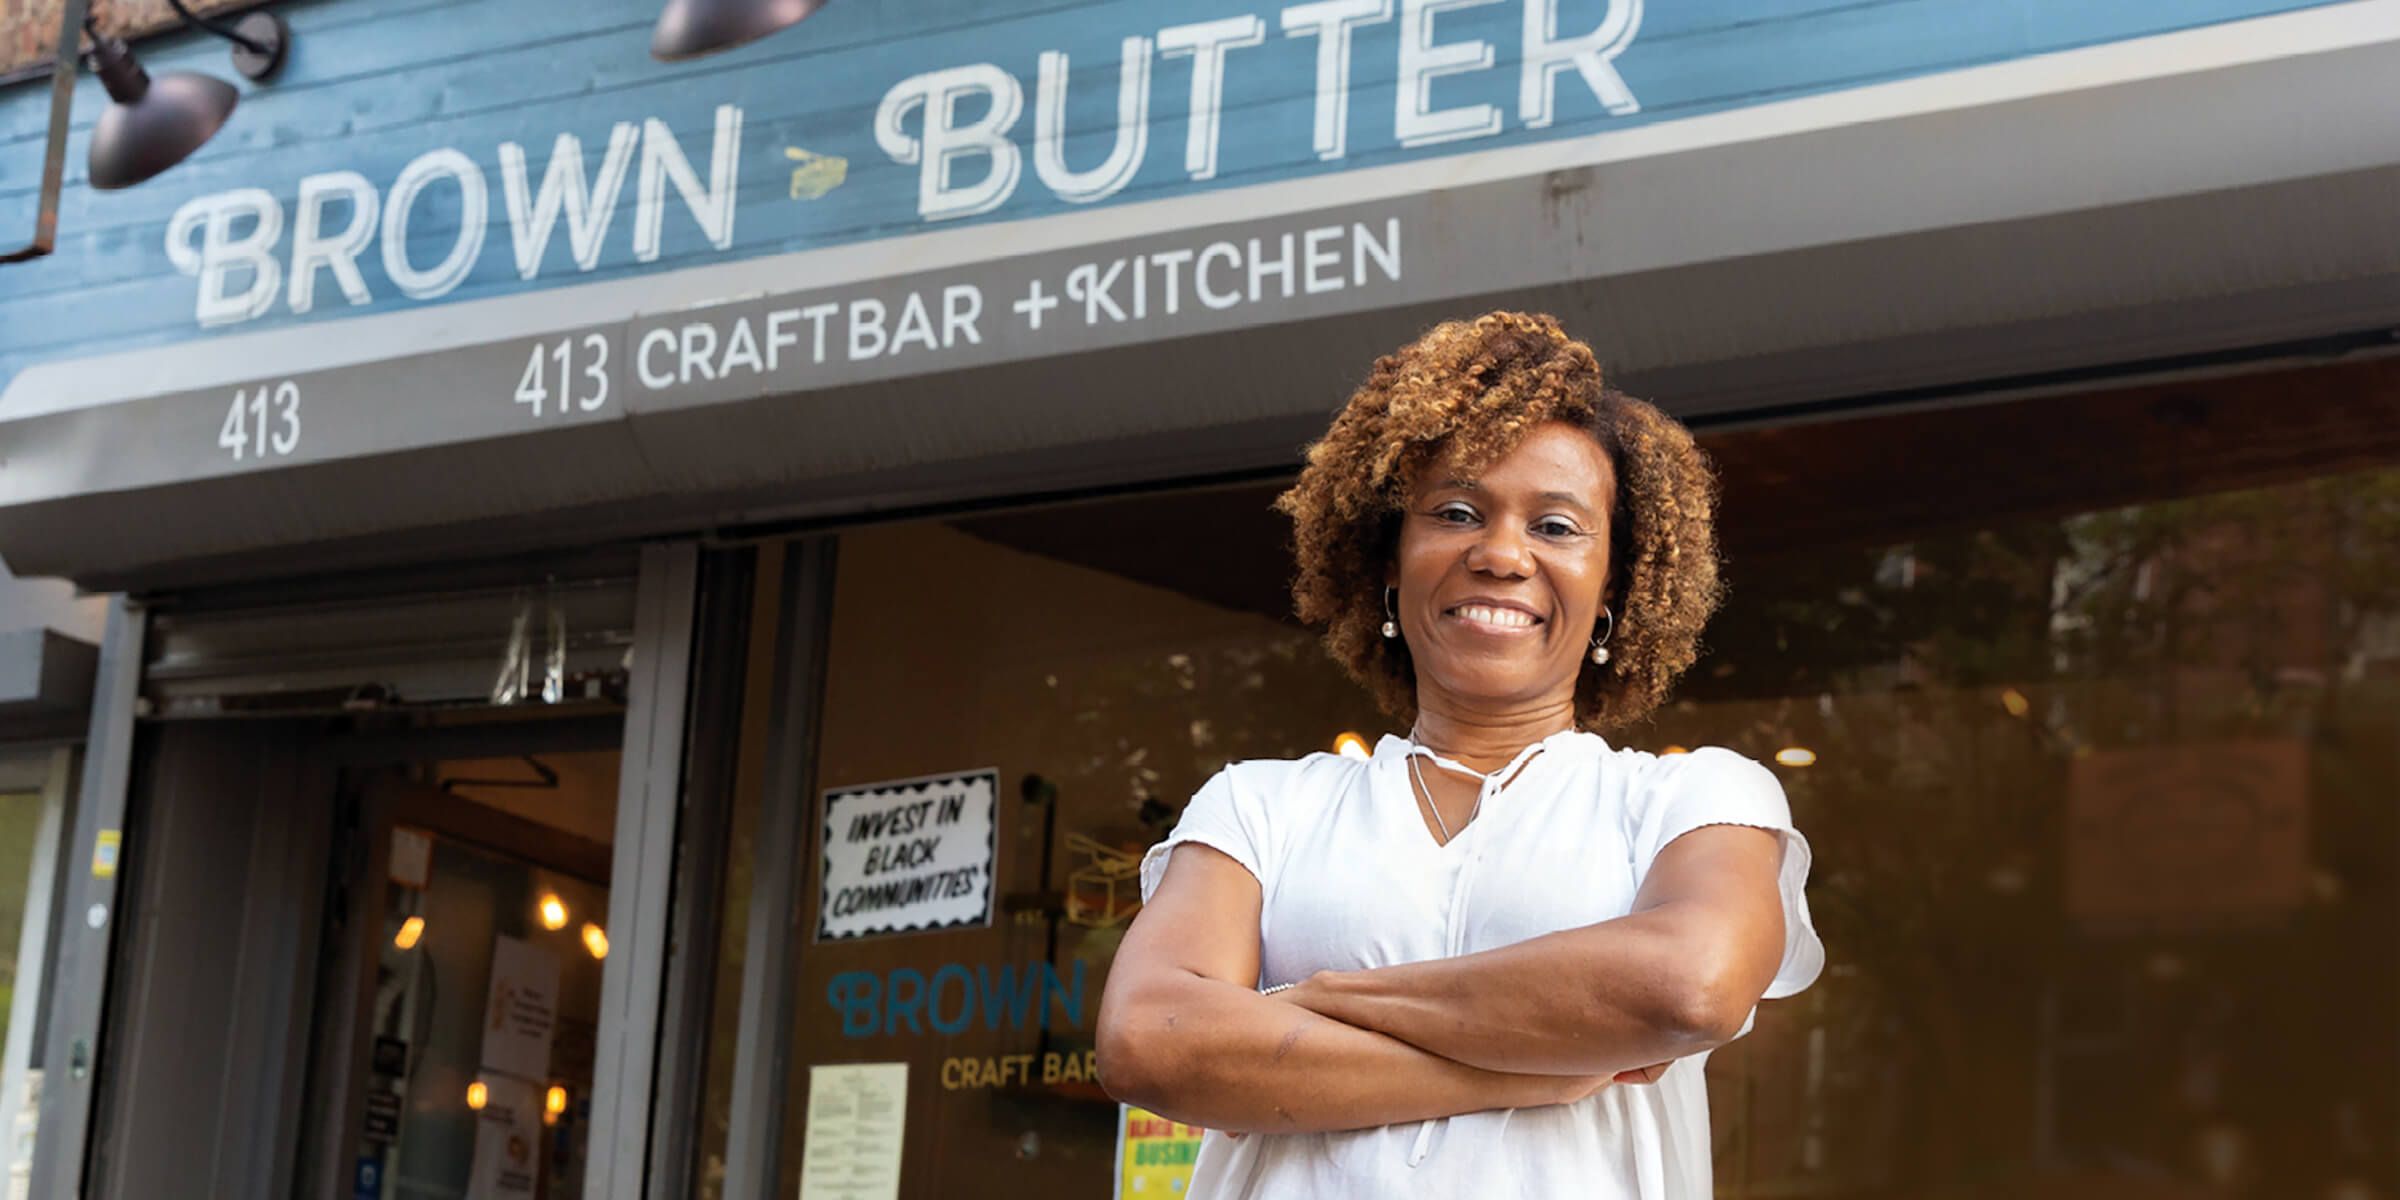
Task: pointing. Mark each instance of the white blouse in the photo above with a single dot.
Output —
(1351, 878)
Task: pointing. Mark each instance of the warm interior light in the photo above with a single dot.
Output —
(1674, 749)
(595, 939)
(555, 1102)
(477, 1094)
(554, 911)
(410, 931)
(1795, 756)
(2015, 702)
(1350, 745)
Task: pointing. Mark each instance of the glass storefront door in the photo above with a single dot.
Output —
(482, 1000)
(1092, 704)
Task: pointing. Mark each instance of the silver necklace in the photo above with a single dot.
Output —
(1417, 770)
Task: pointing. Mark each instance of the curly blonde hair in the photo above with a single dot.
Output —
(1477, 388)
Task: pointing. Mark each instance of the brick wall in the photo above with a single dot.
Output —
(28, 28)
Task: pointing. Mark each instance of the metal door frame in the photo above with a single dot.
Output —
(754, 1149)
(78, 982)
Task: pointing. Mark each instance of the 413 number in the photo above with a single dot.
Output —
(261, 423)
(585, 372)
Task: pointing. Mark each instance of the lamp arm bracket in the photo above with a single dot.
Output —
(224, 31)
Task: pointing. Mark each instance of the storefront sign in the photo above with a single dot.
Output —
(967, 1071)
(781, 343)
(520, 1009)
(678, 279)
(957, 997)
(857, 1121)
(1154, 1155)
(418, 159)
(908, 856)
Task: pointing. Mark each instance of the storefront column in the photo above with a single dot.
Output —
(79, 977)
(763, 1049)
(649, 795)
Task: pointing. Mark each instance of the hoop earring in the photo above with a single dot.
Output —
(1391, 618)
(1600, 650)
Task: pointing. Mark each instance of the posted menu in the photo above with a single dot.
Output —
(857, 1113)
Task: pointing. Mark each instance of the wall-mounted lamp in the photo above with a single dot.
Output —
(156, 123)
(152, 124)
(691, 28)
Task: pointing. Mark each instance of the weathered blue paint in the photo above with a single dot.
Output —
(374, 86)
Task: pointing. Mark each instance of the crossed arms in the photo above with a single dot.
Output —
(1550, 1020)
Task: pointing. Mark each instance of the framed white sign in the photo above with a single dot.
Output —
(909, 856)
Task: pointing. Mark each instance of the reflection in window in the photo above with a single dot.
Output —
(2103, 812)
(2088, 707)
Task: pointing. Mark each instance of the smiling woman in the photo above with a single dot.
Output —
(1446, 969)
(1459, 399)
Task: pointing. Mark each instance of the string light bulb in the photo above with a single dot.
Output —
(595, 939)
(411, 932)
(478, 1095)
(553, 912)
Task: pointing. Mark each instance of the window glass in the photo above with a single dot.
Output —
(2086, 704)
(33, 810)
(1101, 702)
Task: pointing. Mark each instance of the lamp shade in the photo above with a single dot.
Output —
(151, 124)
(691, 28)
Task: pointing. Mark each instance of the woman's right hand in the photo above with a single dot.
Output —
(1567, 1089)
(1561, 1089)
(1648, 1074)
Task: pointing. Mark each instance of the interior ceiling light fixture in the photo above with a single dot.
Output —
(692, 28)
(155, 123)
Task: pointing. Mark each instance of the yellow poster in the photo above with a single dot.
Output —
(105, 850)
(1154, 1155)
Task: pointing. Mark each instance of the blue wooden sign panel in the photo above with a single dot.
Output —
(420, 152)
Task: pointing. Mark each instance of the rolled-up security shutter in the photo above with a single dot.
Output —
(361, 649)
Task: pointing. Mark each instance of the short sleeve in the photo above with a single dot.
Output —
(1716, 786)
(1222, 816)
